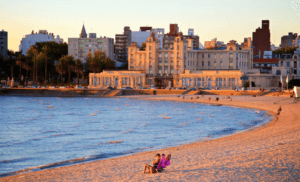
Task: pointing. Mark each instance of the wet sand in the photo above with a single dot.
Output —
(267, 153)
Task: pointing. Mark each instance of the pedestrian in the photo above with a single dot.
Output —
(279, 109)
(209, 99)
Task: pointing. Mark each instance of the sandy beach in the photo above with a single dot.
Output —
(267, 153)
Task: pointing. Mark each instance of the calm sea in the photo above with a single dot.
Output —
(43, 132)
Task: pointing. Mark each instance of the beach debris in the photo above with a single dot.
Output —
(199, 118)
(211, 115)
(163, 115)
(256, 112)
(166, 117)
(50, 106)
(93, 114)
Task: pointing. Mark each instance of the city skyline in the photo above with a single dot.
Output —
(225, 20)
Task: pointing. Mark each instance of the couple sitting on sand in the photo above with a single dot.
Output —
(158, 164)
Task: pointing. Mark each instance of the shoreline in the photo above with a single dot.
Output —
(94, 166)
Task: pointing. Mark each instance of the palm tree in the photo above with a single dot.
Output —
(45, 49)
(70, 64)
(78, 68)
(61, 67)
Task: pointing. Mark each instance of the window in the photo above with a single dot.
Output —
(221, 56)
(177, 55)
(166, 55)
(160, 55)
(131, 56)
(278, 72)
(208, 63)
(177, 63)
(150, 55)
(269, 65)
(140, 56)
(208, 55)
(202, 55)
(215, 63)
(149, 47)
(230, 56)
(178, 45)
(221, 63)
(287, 64)
(172, 54)
(131, 50)
(202, 63)
(215, 56)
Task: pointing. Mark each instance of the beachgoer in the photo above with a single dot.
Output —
(279, 110)
(209, 99)
(163, 163)
(217, 98)
(152, 169)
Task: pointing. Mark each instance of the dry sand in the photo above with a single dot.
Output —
(268, 153)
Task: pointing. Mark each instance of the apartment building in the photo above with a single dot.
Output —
(33, 38)
(262, 39)
(3, 44)
(80, 47)
(122, 41)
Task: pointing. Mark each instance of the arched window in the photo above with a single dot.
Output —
(295, 57)
(278, 72)
(150, 40)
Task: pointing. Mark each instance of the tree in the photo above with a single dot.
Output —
(62, 67)
(70, 64)
(99, 62)
(286, 50)
(78, 69)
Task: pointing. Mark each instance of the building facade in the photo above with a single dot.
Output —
(80, 47)
(122, 41)
(3, 44)
(287, 40)
(183, 66)
(168, 38)
(141, 36)
(265, 65)
(32, 39)
(261, 39)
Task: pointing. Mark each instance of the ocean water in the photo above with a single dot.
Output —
(43, 132)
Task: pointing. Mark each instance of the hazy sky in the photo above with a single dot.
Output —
(224, 19)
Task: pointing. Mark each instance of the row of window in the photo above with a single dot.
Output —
(202, 82)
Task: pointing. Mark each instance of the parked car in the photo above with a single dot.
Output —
(145, 88)
(126, 88)
(152, 87)
(194, 89)
(43, 86)
(110, 88)
(273, 89)
(52, 87)
(34, 86)
(62, 87)
(6, 86)
(24, 86)
(79, 87)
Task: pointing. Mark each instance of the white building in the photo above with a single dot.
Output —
(32, 39)
(191, 32)
(80, 47)
(141, 36)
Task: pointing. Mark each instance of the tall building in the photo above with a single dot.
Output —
(80, 47)
(287, 40)
(33, 38)
(296, 42)
(141, 36)
(3, 44)
(174, 30)
(122, 41)
(261, 39)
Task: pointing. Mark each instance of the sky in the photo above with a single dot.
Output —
(224, 19)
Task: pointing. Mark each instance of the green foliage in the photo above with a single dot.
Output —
(99, 62)
(286, 50)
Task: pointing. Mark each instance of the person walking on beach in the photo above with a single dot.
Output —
(152, 169)
(279, 110)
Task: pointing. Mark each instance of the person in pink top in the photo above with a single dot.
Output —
(163, 163)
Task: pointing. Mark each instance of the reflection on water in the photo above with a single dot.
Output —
(50, 132)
